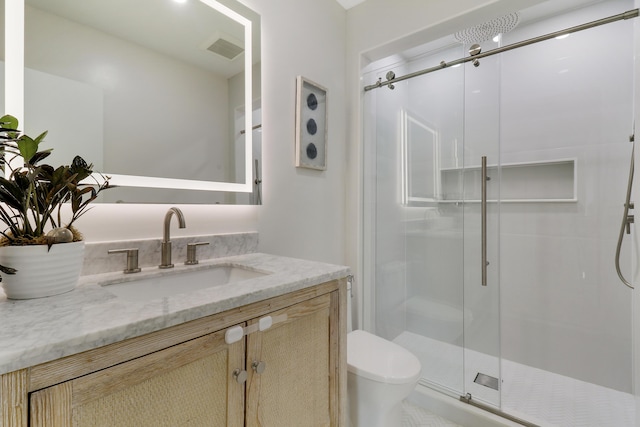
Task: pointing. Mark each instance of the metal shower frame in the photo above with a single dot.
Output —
(633, 13)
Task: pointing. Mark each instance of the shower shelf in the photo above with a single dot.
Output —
(551, 181)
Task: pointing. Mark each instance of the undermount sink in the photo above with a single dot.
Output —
(149, 288)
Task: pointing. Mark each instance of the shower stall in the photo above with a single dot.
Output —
(494, 190)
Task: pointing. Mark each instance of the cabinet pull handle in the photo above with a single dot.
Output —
(236, 333)
(240, 375)
(258, 367)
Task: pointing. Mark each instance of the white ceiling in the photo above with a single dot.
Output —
(347, 4)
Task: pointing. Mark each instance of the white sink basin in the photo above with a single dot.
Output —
(180, 282)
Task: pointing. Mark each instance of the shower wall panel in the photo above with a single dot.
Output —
(563, 309)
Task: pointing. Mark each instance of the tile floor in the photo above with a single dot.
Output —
(414, 416)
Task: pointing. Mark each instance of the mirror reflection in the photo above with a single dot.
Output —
(152, 90)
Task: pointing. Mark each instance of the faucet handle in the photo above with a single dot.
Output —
(132, 259)
(191, 252)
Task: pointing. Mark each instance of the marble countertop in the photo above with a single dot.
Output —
(40, 330)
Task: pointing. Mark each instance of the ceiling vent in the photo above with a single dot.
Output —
(226, 48)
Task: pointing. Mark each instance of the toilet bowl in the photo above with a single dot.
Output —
(380, 374)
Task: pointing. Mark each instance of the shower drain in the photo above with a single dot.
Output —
(486, 380)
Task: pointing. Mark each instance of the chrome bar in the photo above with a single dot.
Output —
(625, 15)
(483, 219)
(627, 220)
(469, 400)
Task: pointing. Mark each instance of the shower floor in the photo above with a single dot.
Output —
(529, 393)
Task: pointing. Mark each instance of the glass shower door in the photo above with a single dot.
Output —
(415, 237)
(424, 211)
(548, 337)
(433, 155)
(481, 229)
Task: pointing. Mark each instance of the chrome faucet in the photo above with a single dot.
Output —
(166, 240)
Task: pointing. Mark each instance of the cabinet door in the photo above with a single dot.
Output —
(295, 389)
(188, 384)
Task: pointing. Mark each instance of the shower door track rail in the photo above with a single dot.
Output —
(469, 400)
(614, 18)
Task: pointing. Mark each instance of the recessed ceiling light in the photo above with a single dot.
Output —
(564, 36)
(180, 1)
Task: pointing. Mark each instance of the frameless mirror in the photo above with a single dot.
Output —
(157, 94)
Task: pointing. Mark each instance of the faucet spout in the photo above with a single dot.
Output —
(166, 235)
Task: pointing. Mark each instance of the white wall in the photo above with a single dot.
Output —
(559, 291)
(303, 211)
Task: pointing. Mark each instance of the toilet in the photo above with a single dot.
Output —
(380, 374)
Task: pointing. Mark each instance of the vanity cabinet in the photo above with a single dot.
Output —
(187, 384)
(188, 375)
(289, 380)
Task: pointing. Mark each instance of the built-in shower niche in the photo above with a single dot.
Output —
(543, 181)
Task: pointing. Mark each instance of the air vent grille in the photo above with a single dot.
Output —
(225, 48)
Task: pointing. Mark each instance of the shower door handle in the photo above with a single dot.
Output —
(483, 218)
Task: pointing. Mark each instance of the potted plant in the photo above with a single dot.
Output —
(41, 254)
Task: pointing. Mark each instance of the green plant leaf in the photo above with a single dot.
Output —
(28, 147)
(80, 167)
(11, 193)
(32, 196)
(7, 270)
(40, 155)
(9, 122)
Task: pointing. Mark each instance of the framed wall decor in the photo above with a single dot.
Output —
(311, 125)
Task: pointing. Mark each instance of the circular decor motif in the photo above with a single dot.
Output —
(312, 101)
(312, 127)
(312, 151)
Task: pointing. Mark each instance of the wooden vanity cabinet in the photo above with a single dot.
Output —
(186, 384)
(188, 374)
(288, 382)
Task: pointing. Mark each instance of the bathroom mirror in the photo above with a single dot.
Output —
(157, 94)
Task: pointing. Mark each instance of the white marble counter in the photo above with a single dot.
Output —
(40, 330)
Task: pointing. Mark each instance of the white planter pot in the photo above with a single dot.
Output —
(41, 272)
